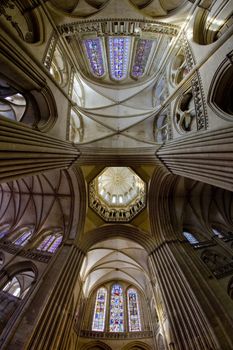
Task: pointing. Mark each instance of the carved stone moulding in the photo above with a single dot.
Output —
(118, 26)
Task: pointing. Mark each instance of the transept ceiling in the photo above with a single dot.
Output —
(118, 85)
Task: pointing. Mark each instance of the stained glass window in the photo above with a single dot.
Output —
(23, 238)
(4, 230)
(95, 56)
(100, 310)
(190, 237)
(50, 243)
(133, 311)
(116, 309)
(119, 57)
(218, 233)
(55, 244)
(141, 57)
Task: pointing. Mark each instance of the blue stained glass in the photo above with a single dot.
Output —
(3, 233)
(23, 239)
(55, 244)
(190, 238)
(100, 310)
(133, 311)
(45, 243)
(116, 309)
(119, 57)
(95, 56)
(141, 57)
(50, 243)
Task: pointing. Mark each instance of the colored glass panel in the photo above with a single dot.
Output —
(100, 310)
(45, 243)
(218, 233)
(95, 56)
(55, 244)
(23, 239)
(116, 309)
(3, 233)
(141, 57)
(133, 311)
(50, 243)
(190, 238)
(119, 57)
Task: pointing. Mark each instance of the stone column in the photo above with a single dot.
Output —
(205, 156)
(188, 325)
(49, 316)
(24, 151)
(198, 315)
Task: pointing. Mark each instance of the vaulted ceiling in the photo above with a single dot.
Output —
(113, 260)
(119, 52)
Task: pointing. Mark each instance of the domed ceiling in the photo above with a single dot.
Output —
(117, 194)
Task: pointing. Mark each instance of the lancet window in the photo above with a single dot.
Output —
(119, 57)
(100, 310)
(95, 56)
(133, 310)
(23, 238)
(116, 309)
(141, 57)
(50, 243)
(190, 237)
(120, 304)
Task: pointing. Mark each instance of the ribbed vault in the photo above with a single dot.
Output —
(115, 259)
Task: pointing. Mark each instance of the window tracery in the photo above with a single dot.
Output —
(94, 50)
(190, 237)
(185, 116)
(143, 50)
(119, 57)
(50, 243)
(59, 68)
(116, 309)
(179, 68)
(133, 310)
(100, 310)
(23, 239)
(111, 307)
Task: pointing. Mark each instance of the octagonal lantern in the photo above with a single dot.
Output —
(117, 194)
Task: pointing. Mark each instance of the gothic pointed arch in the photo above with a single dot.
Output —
(96, 345)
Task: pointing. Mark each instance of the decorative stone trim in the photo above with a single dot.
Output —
(200, 104)
(50, 51)
(34, 255)
(188, 52)
(204, 244)
(113, 335)
(9, 247)
(126, 26)
(117, 212)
